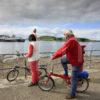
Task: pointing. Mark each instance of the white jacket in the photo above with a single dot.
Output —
(35, 55)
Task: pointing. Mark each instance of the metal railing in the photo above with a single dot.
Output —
(89, 58)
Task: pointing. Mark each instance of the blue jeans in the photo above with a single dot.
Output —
(74, 80)
(65, 63)
(74, 77)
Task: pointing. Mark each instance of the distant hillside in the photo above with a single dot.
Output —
(47, 38)
(52, 38)
(84, 40)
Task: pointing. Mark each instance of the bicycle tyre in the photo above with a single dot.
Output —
(81, 82)
(42, 72)
(46, 83)
(14, 73)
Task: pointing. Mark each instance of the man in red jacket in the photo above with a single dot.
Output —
(73, 51)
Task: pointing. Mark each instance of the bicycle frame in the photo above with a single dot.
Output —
(64, 77)
(46, 82)
(17, 66)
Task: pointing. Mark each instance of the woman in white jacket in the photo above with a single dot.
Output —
(33, 59)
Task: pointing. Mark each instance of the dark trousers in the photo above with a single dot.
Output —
(74, 76)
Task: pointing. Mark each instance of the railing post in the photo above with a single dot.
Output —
(90, 65)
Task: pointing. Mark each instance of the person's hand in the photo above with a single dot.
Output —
(24, 55)
(51, 57)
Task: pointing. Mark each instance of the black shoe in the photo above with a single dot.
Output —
(31, 84)
(70, 97)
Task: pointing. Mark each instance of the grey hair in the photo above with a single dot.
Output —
(70, 32)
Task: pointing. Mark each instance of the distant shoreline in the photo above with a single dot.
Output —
(52, 38)
(12, 40)
(63, 41)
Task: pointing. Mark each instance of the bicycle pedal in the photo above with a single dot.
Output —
(17, 67)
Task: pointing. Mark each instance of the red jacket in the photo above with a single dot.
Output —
(73, 50)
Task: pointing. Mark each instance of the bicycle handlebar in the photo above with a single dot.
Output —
(20, 54)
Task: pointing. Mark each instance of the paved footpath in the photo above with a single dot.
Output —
(18, 90)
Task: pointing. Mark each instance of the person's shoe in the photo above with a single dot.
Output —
(70, 97)
(65, 75)
(36, 83)
(31, 84)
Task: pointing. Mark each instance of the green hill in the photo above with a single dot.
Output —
(84, 40)
(47, 38)
(52, 38)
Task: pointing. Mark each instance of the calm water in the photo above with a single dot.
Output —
(44, 46)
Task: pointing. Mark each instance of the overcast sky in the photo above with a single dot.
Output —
(50, 13)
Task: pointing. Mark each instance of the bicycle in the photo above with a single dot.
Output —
(14, 72)
(46, 83)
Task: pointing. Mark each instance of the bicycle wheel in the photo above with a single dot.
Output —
(42, 72)
(46, 83)
(12, 75)
(83, 85)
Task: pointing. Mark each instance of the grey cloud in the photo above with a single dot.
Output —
(49, 11)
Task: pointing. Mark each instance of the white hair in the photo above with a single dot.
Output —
(70, 32)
